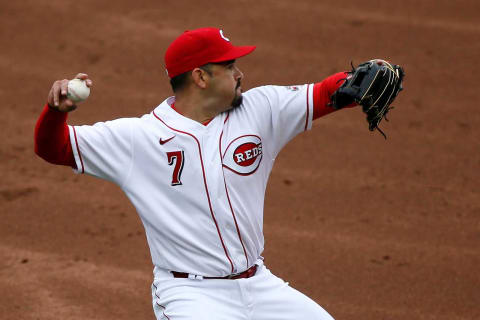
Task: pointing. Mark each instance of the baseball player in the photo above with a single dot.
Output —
(196, 170)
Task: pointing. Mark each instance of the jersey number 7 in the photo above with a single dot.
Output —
(177, 158)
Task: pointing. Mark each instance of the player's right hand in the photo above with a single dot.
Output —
(57, 97)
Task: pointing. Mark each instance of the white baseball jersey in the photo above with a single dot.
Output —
(199, 189)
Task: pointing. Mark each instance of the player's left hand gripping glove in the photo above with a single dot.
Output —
(373, 85)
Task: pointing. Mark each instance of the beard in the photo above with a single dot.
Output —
(238, 99)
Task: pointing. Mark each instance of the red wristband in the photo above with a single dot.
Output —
(322, 91)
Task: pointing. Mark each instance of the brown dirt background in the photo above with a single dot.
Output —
(371, 229)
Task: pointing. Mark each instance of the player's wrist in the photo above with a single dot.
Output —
(60, 108)
(52, 108)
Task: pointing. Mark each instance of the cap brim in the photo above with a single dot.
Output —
(235, 53)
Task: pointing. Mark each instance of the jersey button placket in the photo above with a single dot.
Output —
(238, 250)
(214, 184)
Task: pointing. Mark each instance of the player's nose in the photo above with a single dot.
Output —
(238, 73)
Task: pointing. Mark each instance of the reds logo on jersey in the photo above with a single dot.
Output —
(243, 155)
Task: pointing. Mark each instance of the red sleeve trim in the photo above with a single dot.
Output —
(322, 91)
(308, 107)
(78, 149)
(52, 138)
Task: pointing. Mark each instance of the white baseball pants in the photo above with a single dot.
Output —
(261, 297)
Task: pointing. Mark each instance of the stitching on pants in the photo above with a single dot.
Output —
(158, 304)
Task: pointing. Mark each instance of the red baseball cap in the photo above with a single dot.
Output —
(195, 48)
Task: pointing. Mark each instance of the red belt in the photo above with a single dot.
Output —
(250, 272)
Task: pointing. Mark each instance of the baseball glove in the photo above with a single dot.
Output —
(373, 85)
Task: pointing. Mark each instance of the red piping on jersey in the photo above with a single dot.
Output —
(228, 197)
(308, 107)
(78, 149)
(205, 183)
(226, 118)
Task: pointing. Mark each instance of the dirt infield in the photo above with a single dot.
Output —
(370, 229)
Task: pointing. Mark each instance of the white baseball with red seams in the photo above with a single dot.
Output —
(199, 190)
(78, 90)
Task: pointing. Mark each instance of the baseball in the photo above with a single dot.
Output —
(78, 90)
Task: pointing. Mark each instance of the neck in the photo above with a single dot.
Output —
(196, 108)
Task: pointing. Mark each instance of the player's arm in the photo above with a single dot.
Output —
(52, 138)
(322, 93)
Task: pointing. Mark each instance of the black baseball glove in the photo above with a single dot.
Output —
(373, 85)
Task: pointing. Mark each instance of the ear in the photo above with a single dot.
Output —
(200, 77)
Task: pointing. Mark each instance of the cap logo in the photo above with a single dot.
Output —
(223, 37)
